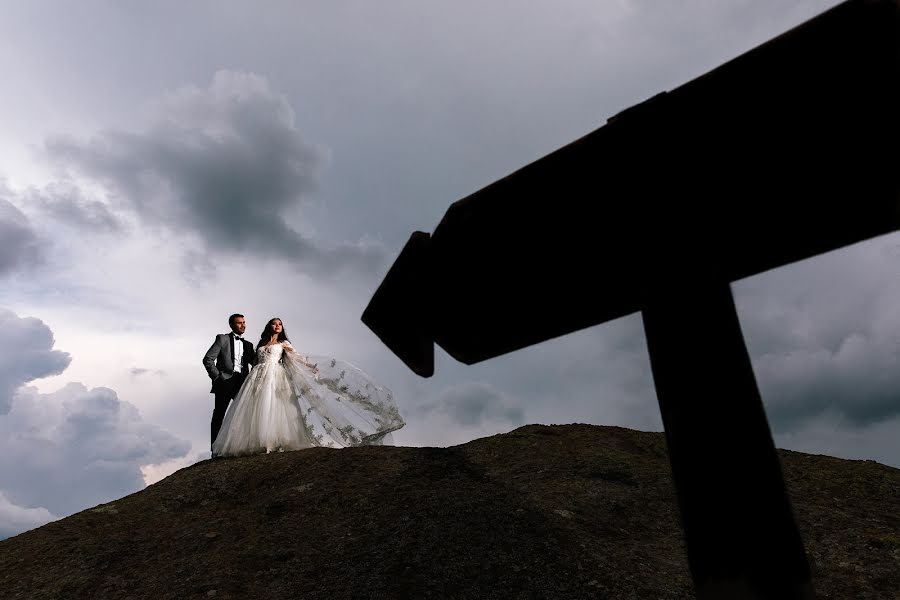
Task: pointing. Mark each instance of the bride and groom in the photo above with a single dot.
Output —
(272, 398)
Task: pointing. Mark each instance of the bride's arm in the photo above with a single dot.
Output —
(299, 357)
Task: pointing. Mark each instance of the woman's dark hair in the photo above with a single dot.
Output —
(266, 335)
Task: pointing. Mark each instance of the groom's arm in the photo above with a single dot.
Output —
(209, 359)
(254, 359)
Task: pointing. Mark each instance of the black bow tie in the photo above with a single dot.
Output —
(237, 337)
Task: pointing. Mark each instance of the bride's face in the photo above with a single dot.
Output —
(276, 326)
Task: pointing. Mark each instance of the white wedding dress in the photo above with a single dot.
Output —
(290, 401)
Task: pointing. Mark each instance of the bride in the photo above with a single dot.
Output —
(290, 401)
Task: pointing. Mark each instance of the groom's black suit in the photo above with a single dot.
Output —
(219, 363)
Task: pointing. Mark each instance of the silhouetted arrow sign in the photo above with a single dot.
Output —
(783, 153)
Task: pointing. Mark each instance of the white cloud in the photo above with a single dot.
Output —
(69, 449)
(27, 354)
(157, 472)
(16, 519)
(77, 447)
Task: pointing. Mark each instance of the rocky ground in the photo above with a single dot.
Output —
(572, 511)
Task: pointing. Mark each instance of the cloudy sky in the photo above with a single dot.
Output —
(166, 164)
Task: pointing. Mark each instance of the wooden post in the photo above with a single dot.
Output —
(739, 528)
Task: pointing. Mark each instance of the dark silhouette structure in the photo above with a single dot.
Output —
(785, 152)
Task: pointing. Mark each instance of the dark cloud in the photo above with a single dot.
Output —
(77, 447)
(832, 435)
(19, 245)
(596, 375)
(67, 204)
(824, 335)
(226, 163)
(26, 354)
(137, 371)
(859, 380)
(471, 404)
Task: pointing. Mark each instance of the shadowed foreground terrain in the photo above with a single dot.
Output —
(571, 511)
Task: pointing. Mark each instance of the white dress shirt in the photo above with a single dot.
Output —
(238, 347)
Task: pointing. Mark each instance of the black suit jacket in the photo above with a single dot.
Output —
(219, 359)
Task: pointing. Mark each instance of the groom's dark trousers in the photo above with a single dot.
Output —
(225, 390)
(219, 364)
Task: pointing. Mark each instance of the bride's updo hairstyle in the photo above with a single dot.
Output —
(268, 331)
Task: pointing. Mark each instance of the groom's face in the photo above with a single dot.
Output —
(239, 325)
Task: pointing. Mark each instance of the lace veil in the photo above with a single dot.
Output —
(341, 405)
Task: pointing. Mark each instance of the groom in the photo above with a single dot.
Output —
(228, 361)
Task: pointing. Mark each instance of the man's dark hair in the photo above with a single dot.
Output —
(232, 318)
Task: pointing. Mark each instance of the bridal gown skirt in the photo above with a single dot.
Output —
(290, 402)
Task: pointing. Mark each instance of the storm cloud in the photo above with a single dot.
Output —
(69, 205)
(474, 403)
(226, 164)
(824, 335)
(19, 244)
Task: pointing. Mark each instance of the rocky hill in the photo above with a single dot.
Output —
(574, 511)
